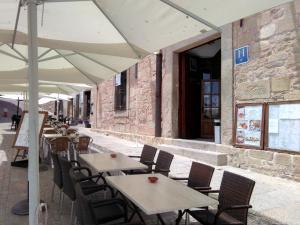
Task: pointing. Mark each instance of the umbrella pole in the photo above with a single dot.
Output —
(33, 143)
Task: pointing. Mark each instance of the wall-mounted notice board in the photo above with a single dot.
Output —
(283, 126)
(249, 125)
(21, 138)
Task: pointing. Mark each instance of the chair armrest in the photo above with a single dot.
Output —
(134, 156)
(109, 202)
(101, 187)
(179, 178)
(75, 162)
(202, 188)
(210, 191)
(228, 208)
(160, 170)
(149, 163)
(83, 168)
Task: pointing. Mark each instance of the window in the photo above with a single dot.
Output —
(120, 91)
(268, 126)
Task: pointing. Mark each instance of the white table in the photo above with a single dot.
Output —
(166, 195)
(103, 162)
(48, 128)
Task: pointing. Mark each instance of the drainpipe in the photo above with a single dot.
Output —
(158, 95)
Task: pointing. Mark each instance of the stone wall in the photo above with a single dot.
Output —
(49, 107)
(139, 117)
(266, 162)
(272, 72)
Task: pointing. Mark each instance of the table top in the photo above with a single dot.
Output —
(52, 135)
(49, 128)
(103, 162)
(166, 195)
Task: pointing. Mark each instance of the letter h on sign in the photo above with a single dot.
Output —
(241, 55)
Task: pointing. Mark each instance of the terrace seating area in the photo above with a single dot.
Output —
(82, 191)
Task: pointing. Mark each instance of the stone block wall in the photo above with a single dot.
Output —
(139, 117)
(272, 72)
(266, 162)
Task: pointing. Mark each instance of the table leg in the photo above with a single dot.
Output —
(160, 219)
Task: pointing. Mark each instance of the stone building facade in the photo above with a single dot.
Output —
(271, 75)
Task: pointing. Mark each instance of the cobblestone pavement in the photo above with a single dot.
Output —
(275, 201)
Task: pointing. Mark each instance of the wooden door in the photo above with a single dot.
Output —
(210, 106)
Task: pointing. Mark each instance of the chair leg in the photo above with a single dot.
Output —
(61, 202)
(187, 219)
(52, 195)
(72, 211)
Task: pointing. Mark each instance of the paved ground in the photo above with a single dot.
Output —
(275, 201)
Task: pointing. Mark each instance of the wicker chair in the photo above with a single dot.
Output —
(162, 164)
(50, 132)
(147, 158)
(199, 177)
(71, 131)
(60, 145)
(234, 197)
(82, 146)
(68, 183)
(57, 176)
(94, 212)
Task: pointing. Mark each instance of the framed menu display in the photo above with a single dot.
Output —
(283, 126)
(249, 122)
(21, 138)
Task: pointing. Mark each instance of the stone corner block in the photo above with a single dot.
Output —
(282, 159)
(261, 154)
(280, 84)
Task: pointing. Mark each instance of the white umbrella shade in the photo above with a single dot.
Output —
(43, 88)
(89, 41)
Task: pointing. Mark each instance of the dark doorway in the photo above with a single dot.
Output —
(199, 90)
(87, 105)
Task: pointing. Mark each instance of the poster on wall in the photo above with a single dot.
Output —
(249, 122)
(283, 125)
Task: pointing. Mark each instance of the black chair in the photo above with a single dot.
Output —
(146, 157)
(94, 212)
(199, 177)
(162, 164)
(57, 176)
(234, 197)
(68, 184)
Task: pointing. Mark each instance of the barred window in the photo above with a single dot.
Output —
(120, 91)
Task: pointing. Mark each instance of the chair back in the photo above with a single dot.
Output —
(148, 153)
(59, 144)
(200, 175)
(163, 162)
(71, 131)
(83, 143)
(235, 190)
(84, 210)
(68, 187)
(50, 132)
(57, 173)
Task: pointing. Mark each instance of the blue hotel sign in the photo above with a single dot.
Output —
(241, 55)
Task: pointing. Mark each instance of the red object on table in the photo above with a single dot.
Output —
(153, 179)
(113, 155)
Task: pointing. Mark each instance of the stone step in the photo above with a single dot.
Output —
(210, 157)
(197, 144)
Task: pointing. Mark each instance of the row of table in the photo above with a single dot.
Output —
(166, 195)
